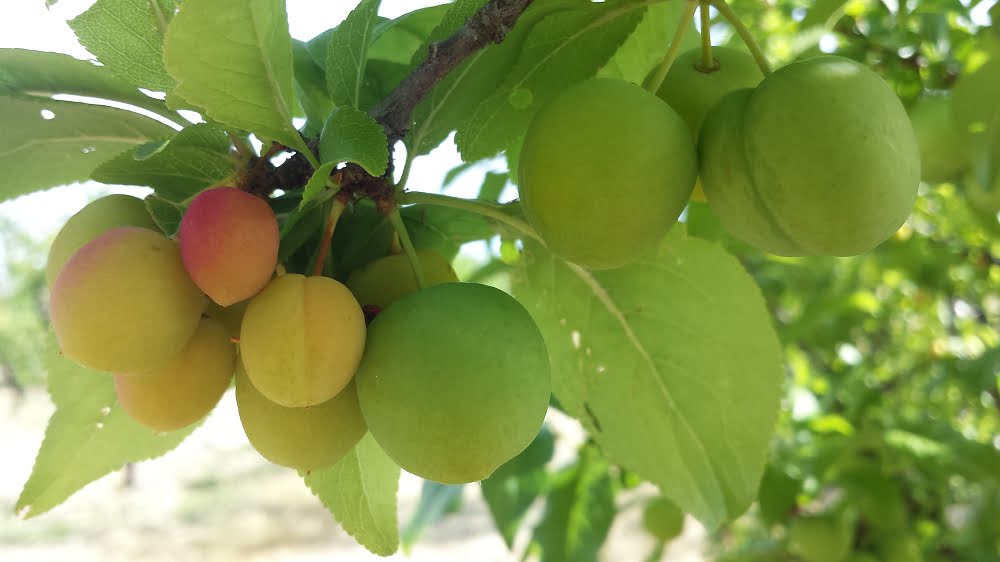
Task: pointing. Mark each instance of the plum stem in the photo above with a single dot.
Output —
(707, 62)
(411, 253)
(331, 223)
(674, 50)
(487, 209)
(744, 33)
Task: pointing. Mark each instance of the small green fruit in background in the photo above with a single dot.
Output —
(388, 279)
(943, 147)
(605, 170)
(184, 389)
(124, 303)
(301, 339)
(663, 519)
(454, 381)
(819, 538)
(820, 159)
(301, 438)
(98, 217)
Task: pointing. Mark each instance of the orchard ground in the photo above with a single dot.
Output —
(215, 499)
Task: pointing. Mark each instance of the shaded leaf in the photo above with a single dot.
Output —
(166, 214)
(511, 490)
(436, 502)
(347, 54)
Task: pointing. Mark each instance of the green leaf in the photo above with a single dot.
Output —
(310, 88)
(443, 229)
(38, 153)
(360, 491)
(166, 214)
(398, 40)
(562, 49)
(347, 54)
(88, 436)
(41, 75)
(455, 98)
(350, 135)
(196, 158)
(578, 511)
(436, 502)
(672, 364)
(645, 47)
(127, 37)
(511, 490)
(457, 14)
(233, 58)
(317, 183)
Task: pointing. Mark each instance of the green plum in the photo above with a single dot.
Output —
(605, 170)
(819, 538)
(302, 438)
(98, 217)
(386, 280)
(820, 159)
(943, 147)
(663, 519)
(454, 381)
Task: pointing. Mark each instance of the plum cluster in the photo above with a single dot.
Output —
(176, 321)
(817, 158)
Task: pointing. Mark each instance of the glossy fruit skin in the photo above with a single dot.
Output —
(302, 438)
(184, 389)
(124, 303)
(663, 519)
(454, 381)
(603, 190)
(229, 243)
(942, 145)
(301, 339)
(819, 538)
(388, 279)
(692, 92)
(98, 217)
(820, 159)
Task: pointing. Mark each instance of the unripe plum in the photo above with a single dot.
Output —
(605, 170)
(942, 145)
(302, 339)
(184, 389)
(124, 303)
(820, 159)
(388, 279)
(229, 243)
(663, 519)
(454, 381)
(302, 438)
(98, 217)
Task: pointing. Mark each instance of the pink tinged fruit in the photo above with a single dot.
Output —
(229, 244)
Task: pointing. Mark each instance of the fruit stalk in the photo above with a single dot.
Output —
(744, 33)
(707, 62)
(675, 47)
(411, 253)
(331, 222)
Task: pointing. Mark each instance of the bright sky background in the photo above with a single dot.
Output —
(28, 24)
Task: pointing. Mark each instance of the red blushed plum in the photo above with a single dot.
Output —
(229, 244)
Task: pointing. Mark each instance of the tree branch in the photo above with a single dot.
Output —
(489, 25)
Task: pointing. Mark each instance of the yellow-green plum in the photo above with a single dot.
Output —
(301, 339)
(184, 389)
(605, 169)
(819, 538)
(692, 90)
(229, 243)
(819, 159)
(942, 145)
(98, 217)
(386, 280)
(663, 519)
(302, 438)
(124, 303)
(454, 381)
